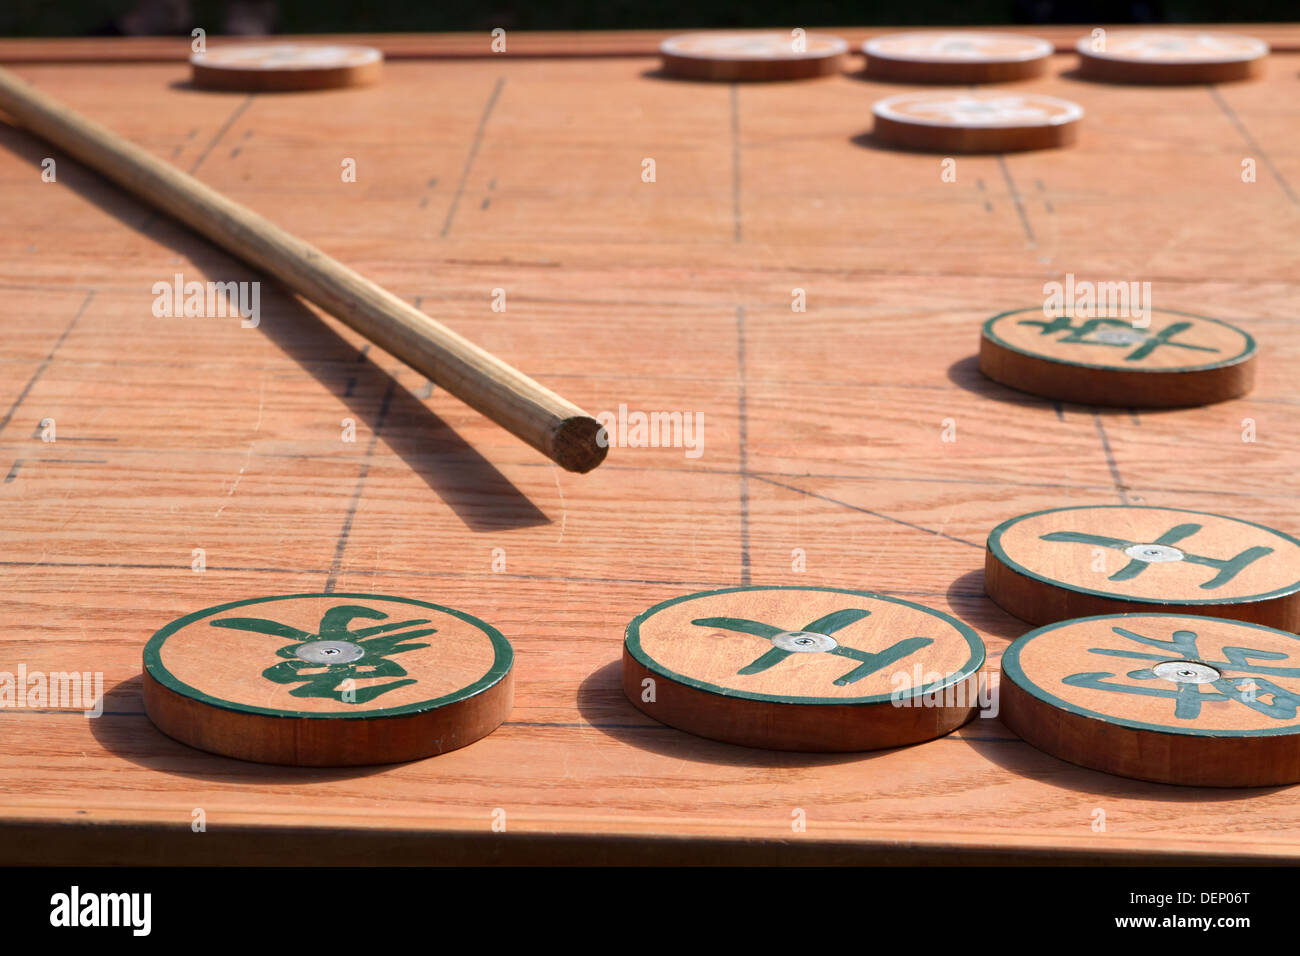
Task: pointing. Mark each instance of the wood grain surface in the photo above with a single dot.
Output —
(824, 436)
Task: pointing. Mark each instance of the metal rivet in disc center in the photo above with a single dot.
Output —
(330, 652)
(1154, 553)
(1120, 336)
(1186, 672)
(805, 642)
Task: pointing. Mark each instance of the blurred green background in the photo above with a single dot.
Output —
(102, 17)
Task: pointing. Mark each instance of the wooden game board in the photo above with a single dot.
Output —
(823, 432)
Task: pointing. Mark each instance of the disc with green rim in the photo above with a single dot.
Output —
(1175, 698)
(328, 679)
(1091, 354)
(1092, 559)
(802, 668)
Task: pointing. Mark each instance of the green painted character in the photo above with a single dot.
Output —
(337, 656)
(1181, 663)
(1162, 550)
(816, 638)
(1116, 333)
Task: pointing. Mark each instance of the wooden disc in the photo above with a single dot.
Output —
(963, 56)
(1177, 359)
(1158, 56)
(327, 680)
(279, 67)
(1172, 698)
(976, 121)
(803, 668)
(752, 56)
(1102, 559)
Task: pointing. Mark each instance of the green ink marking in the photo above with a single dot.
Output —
(1188, 697)
(1123, 338)
(362, 654)
(823, 627)
(1161, 551)
(1093, 332)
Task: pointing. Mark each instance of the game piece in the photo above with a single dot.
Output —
(803, 668)
(1102, 559)
(1164, 359)
(328, 680)
(535, 414)
(976, 121)
(963, 56)
(1158, 56)
(282, 67)
(752, 56)
(1173, 698)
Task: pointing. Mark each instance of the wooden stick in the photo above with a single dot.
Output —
(555, 427)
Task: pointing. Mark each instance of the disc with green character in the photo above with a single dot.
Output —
(803, 668)
(328, 679)
(1173, 698)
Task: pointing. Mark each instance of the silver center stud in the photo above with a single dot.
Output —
(1186, 672)
(1154, 553)
(330, 652)
(1119, 336)
(805, 642)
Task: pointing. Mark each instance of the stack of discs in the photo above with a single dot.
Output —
(803, 668)
(1170, 57)
(1172, 698)
(976, 121)
(327, 680)
(1102, 559)
(752, 56)
(1165, 359)
(283, 67)
(957, 57)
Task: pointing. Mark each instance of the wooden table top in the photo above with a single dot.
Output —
(823, 435)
